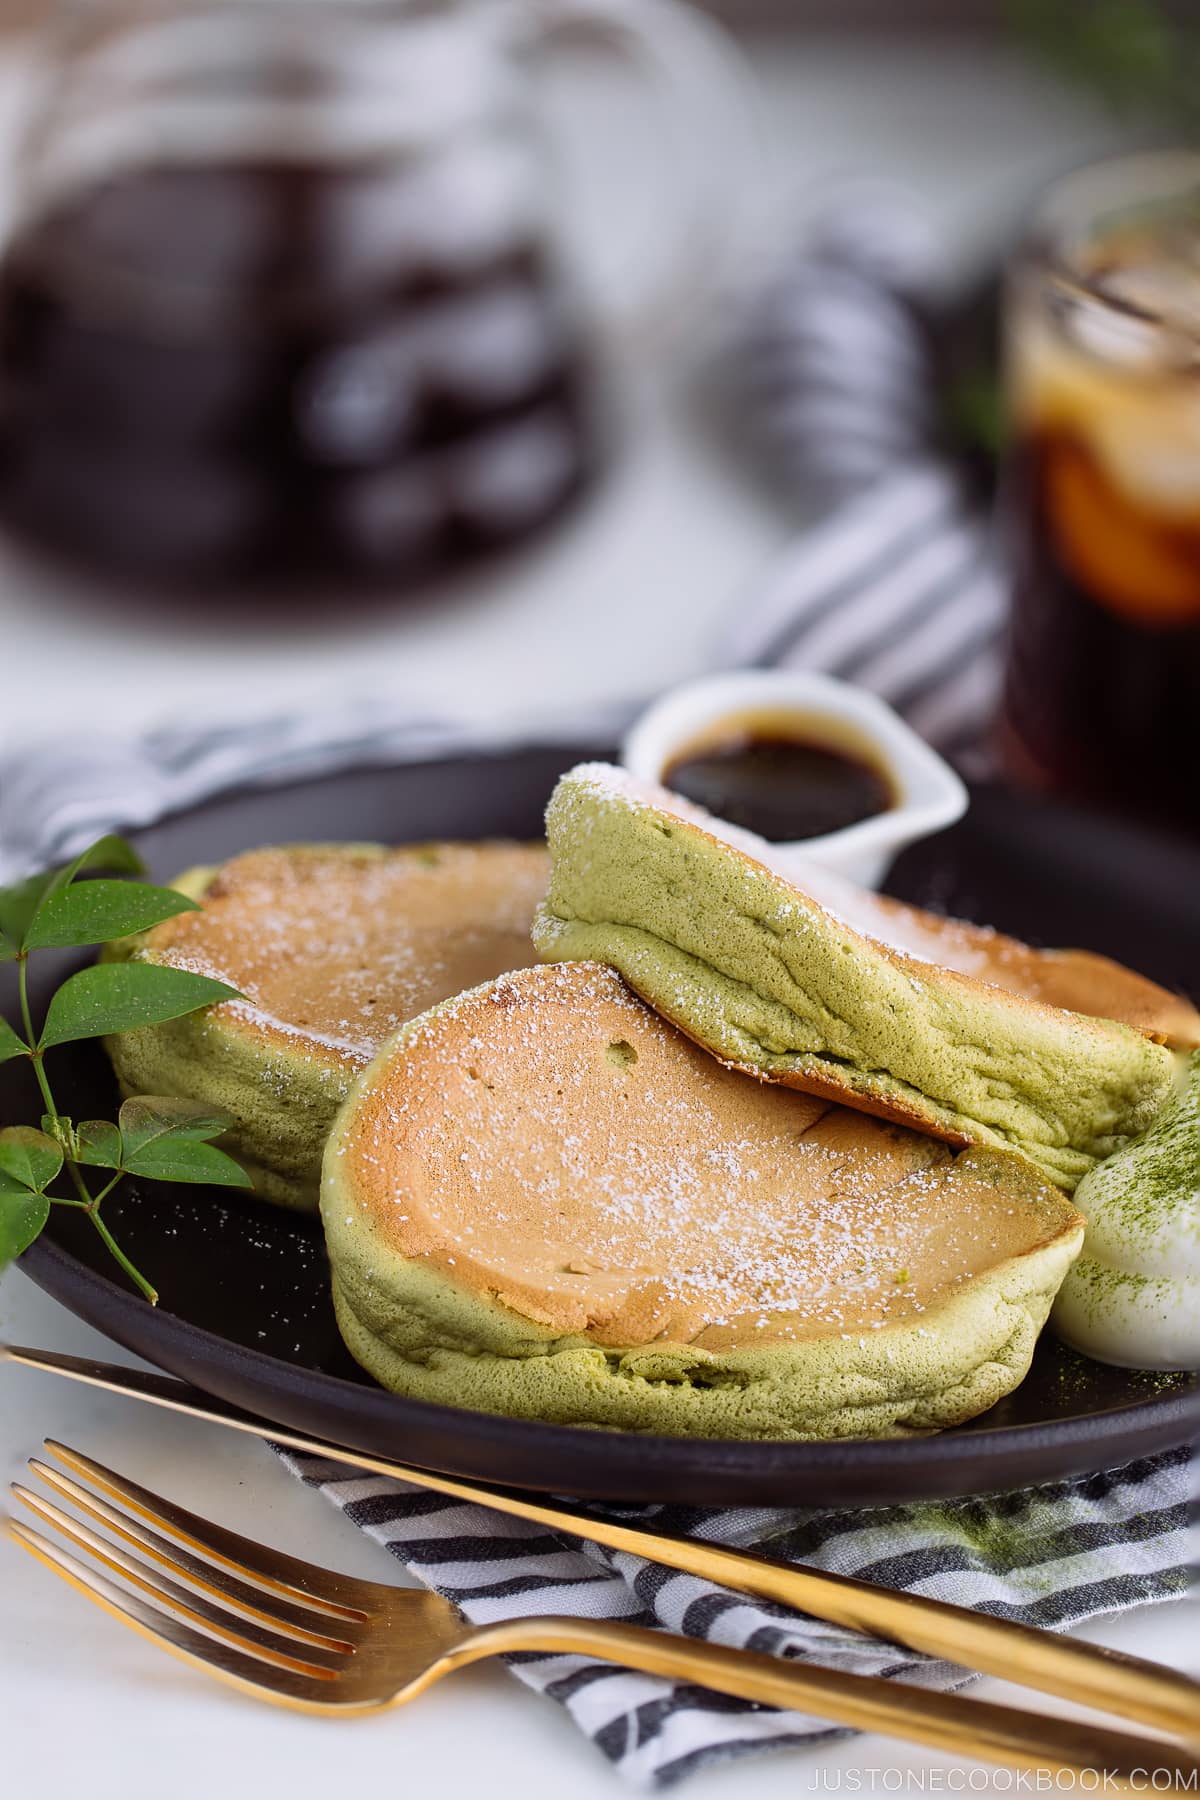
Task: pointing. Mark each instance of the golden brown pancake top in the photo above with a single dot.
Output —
(554, 1144)
(1077, 980)
(334, 947)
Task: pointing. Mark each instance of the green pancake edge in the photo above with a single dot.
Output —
(282, 1102)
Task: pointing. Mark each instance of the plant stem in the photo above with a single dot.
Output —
(87, 1201)
(39, 1067)
(81, 1186)
(30, 1035)
(116, 1251)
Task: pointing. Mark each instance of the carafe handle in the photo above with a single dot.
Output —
(709, 120)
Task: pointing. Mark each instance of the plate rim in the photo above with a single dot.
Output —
(1155, 1415)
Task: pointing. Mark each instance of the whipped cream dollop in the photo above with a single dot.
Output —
(1133, 1296)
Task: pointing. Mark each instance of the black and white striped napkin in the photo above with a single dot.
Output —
(56, 799)
(898, 587)
(895, 589)
(1048, 1556)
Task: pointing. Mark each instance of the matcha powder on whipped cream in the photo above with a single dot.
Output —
(1133, 1296)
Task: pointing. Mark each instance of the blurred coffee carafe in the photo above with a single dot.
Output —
(282, 300)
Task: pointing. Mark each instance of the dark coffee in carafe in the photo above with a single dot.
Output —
(261, 368)
(279, 303)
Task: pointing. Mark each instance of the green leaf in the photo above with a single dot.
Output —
(115, 854)
(29, 1157)
(172, 1158)
(124, 997)
(150, 1116)
(99, 1144)
(22, 1217)
(10, 1043)
(164, 1137)
(93, 912)
(20, 905)
(157, 1138)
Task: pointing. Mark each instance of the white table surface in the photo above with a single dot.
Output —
(88, 1709)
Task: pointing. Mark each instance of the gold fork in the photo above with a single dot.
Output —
(301, 1636)
(1069, 1668)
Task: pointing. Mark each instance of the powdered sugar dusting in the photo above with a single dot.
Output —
(562, 1148)
(334, 948)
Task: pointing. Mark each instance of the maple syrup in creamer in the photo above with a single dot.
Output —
(251, 370)
(780, 779)
(1102, 518)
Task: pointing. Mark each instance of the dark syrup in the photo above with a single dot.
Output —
(781, 786)
(216, 373)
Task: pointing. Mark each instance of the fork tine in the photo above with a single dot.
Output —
(282, 1615)
(286, 1687)
(241, 1634)
(320, 1590)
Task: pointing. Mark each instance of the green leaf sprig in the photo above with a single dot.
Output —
(155, 1138)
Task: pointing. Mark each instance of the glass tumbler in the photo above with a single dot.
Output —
(1101, 494)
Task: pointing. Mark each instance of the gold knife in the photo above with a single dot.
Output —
(1087, 1673)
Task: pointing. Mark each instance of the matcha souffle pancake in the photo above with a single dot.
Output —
(797, 976)
(332, 946)
(542, 1200)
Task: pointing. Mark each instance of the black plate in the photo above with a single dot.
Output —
(245, 1310)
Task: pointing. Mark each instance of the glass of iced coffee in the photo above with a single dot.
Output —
(1102, 490)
